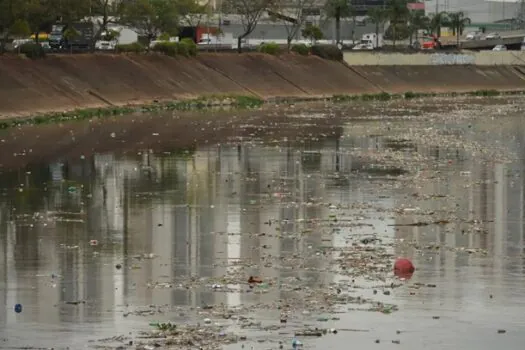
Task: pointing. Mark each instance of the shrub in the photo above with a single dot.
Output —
(328, 52)
(186, 48)
(134, 47)
(167, 48)
(190, 46)
(33, 50)
(269, 48)
(301, 49)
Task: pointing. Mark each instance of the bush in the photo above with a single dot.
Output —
(186, 47)
(328, 52)
(33, 50)
(167, 48)
(301, 49)
(269, 48)
(190, 46)
(134, 47)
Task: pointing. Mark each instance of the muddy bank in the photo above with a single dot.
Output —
(30, 145)
(67, 82)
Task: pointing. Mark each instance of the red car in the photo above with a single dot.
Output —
(430, 43)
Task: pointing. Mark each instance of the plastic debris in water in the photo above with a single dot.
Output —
(93, 242)
(296, 344)
(403, 268)
(18, 308)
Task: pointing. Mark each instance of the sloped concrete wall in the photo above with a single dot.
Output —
(482, 58)
(60, 83)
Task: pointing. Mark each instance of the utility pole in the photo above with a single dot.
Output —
(437, 6)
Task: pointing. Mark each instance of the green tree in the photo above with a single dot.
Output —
(458, 21)
(397, 14)
(20, 29)
(70, 35)
(250, 11)
(191, 12)
(378, 16)
(337, 10)
(107, 12)
(40, 15)
(151, 17)
(295, 16)
(68, 11)
(437, 21)
(10, 11)
(312, 32)
(416, 21)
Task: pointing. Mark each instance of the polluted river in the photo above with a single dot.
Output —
(275, 228)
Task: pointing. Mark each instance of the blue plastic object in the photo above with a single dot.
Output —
(296, 343)
(18, 308)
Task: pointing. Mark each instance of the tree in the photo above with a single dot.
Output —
(68, 11)
(40, 15)
(151, 17)
(337, 10)
(416, 21)
(69, 35)
(20, 29)
(458, 21)
(10, 12)
(108, 12)
(397, 13)
(250, 11)
(191, 12)
(378, 16)
(312, 32)
(293, 16)
(437, 21)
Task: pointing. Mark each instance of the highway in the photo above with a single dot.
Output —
(512, 39)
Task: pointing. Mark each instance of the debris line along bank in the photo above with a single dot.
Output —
(68, 82)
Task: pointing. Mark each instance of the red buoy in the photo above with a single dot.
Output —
(403, 266)
(404, 269)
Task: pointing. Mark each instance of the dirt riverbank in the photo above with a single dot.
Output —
(68, 82)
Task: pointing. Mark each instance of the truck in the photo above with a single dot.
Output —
(196, 33)
(216, 40)
(116, 36)
(81, 41)
(370, 41)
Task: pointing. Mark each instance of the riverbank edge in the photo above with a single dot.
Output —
(227, 102)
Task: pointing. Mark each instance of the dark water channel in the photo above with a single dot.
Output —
(103, 244)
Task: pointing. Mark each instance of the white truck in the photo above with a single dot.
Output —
(123, 36)
(223, 39)
(370, 41)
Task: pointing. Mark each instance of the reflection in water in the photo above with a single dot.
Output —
(202, 213)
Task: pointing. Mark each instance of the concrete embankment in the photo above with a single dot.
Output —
(68, 82)
(481, 58)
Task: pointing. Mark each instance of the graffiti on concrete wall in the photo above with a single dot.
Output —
(449, 59)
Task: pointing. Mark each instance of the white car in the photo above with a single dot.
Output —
(473, 36)
(492, 36)
(367, 46)
(499, 48)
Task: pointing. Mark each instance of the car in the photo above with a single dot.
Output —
(492, 36)
(473, 36)
(499, 48)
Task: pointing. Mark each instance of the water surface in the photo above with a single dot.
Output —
(102, 243)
